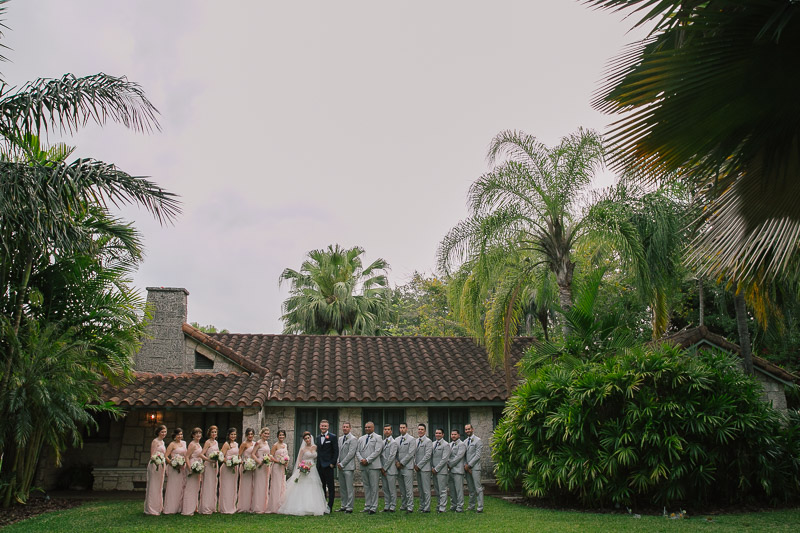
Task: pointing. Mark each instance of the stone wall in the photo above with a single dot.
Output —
(482, 421)
(163, 348)
(276, 418)
(774, 392)
(221, 364)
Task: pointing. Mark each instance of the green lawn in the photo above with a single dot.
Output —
(498, 516)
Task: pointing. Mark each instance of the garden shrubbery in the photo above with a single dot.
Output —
(651, 425)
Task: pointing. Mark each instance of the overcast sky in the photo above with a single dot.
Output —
(288, 126)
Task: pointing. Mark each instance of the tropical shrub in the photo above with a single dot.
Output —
(651, 425)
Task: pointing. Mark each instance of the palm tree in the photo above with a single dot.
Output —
(711, 94)
(334, 294)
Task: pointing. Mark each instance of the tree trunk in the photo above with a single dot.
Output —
(564, 282)
(744, 332)
(702, 303)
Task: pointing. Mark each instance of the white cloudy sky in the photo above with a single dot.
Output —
(288, 126)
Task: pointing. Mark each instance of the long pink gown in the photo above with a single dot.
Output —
(191, 491)
(277, 481)
(227, 483)
(261, 480)
(208, 491)
(176, 480)
(245, 503)
(154, 499)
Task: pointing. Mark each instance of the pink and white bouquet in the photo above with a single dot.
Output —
(266, 461)
(177, 462)
(196, 468)
(250, 464)
(304, 467)
(234, 461)
(216, 458)
(158, 460)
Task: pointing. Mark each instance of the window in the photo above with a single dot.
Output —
(308, 420)
(223, 421)
(448, 418)
(201, 362)
(380, 417)
(497, 414)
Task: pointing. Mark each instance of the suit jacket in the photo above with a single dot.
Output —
(456, 461)
(327, 450)
(405, 451)
(422, 455)
(369, 448)
(347, 451)
(388, 456)
(440, 455)
(474, 450)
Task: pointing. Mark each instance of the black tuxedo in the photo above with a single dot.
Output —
(327, 456)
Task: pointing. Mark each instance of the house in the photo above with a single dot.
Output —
(186, 378)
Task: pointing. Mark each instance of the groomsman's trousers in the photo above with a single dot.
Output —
(456, 484)
(370, 477)
(346, 488)
(440, 484)
(389, 491)
(424, 488)
(406, 475)
(475, 489)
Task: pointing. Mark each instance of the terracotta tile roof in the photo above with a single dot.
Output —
(226, 351)
(194, 389)
(317, 368)
(691, 336)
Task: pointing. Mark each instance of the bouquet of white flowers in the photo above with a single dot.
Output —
(266, 462)
(158, 460)
(196, 468)
(250, 464)
(177, 462)
(216, 458)
(234, 461)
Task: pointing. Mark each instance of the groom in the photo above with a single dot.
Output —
(327, 457)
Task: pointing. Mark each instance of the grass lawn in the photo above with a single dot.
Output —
(498, 515)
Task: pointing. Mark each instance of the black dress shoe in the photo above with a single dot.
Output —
(372, 512)
(479, 511)
(341, 510)
(385, 511)
(365, 511)
(391, 510)
(348, 511)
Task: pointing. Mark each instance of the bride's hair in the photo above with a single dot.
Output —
(306, 433)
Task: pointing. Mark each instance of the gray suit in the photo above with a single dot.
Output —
(456, 483)
(388, 456)
(405, 456)
(347, 467)
(369, 448)
(473, 459)
(422, 460)
(439, 457)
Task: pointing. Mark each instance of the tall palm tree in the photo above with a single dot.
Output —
(334, 294)
(712, 93)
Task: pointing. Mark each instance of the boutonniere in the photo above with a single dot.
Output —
(327, 437)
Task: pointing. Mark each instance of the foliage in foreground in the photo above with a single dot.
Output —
(650, 425)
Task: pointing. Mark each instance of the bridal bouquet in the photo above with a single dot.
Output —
(234, 461)
(267, 460)
(177, 462)
(216, 458)
(196, 468)
(304, 467)
(158, 460)
(250, 464)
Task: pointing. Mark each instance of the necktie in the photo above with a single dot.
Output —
(419, 441)
(469, 441)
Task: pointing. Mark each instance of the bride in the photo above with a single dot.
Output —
(304, 493)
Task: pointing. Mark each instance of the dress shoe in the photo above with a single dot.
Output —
(341, 510)
(372, 512)
(348, 511)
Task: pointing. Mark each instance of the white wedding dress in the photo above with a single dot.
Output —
(304, 493)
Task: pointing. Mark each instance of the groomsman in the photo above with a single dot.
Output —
(422, 466)
(368, 453)
(389, 470)
(472, 467)
(439, 457)
(347, 467)
(405, 468)
(456, 463)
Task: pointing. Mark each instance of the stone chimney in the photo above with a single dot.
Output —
(163, 347)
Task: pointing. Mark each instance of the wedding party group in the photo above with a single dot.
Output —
(251, 478)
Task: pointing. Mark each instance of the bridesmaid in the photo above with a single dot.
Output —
(245, 504)
(277, 476)
(176, 479)
(154, 499)
(261, 481)
(208, 492)
(228, 475)
(191, 490)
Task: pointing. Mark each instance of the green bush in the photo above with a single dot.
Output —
(648, 426)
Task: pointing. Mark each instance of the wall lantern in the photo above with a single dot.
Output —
(153, 417)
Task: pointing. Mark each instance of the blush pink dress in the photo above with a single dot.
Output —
(227, 483)
(208, 491)
(154, 498)
(261, 479)
(277, 481)
(176, 480)
(245, 503)
(191, 491)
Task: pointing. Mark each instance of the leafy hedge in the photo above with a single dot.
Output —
(651, 425)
